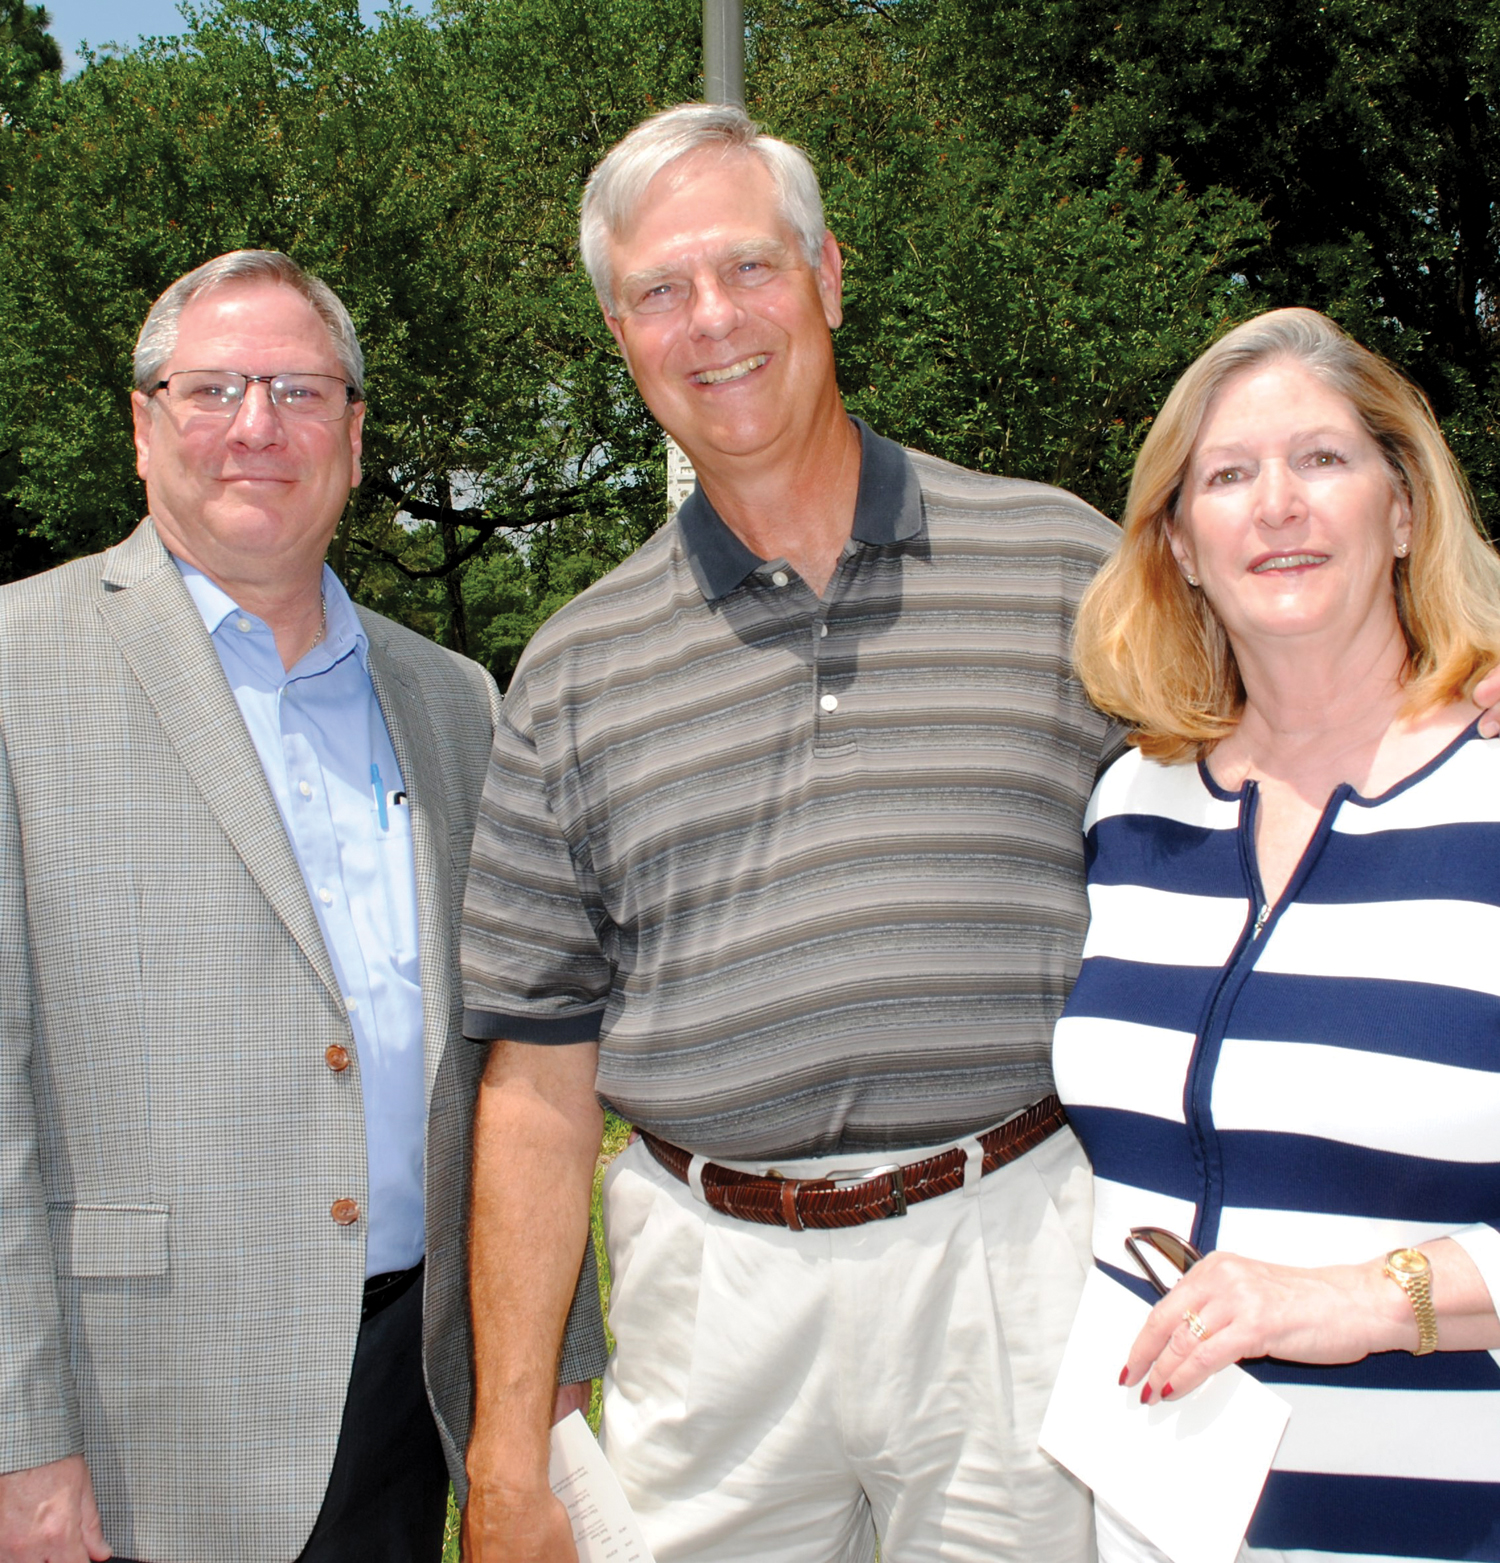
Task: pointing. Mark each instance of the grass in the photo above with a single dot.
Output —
(616, 1132)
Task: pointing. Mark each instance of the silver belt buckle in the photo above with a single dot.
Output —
(892, 1170)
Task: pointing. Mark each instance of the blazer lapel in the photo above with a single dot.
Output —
(415, 743)
(146, 608)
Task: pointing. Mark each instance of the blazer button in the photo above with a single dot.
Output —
(337, 1058)
(344, 1211)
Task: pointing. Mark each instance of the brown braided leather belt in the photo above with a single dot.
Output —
(867, 1196)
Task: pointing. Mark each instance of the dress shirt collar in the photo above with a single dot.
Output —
(887, 511)
(344, 634)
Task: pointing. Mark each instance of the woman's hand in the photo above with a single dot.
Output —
(1248, 1308)
(1338, 1313)
(1487, 697)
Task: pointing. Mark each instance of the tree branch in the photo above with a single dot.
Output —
(483, 525)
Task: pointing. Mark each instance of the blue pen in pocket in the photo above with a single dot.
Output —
(385, 819)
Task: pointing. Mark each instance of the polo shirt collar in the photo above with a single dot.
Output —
(887, 511)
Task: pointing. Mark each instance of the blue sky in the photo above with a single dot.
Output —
(108, 21)
(125, 21)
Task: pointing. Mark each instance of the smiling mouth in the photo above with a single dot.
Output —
(1288, 562)
(733, 372)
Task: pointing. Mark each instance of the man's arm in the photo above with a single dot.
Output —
(47, 1509)
(537, 1134)
(574, 1396)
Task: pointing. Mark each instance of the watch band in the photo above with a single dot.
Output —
(1410, 1270)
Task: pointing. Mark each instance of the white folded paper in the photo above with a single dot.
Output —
(604, 1529)
(1186, 1473)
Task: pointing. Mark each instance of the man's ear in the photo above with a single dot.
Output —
(616, 330)
(356, 442)
(140, 412)
(831, 281)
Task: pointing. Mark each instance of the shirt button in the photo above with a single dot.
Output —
(243, 626)
(304, 789)
(344, 1211)
(337, 1059)
(780, 578)
(351, 1005)
(829, 702)
(822, 631)
(325, 896)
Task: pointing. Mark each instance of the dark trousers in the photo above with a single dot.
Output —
(387, 1496)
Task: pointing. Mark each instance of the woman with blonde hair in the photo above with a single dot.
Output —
(1283, 1049)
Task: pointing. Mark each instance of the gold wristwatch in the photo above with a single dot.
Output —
(1409, 1269)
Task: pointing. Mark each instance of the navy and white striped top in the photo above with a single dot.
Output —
(1315, 1084)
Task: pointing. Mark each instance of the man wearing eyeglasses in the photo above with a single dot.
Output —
(234, 1104)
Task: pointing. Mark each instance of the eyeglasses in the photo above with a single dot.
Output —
(1175, 1250)
(220, 393)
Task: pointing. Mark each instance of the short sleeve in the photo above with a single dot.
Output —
(534, 965)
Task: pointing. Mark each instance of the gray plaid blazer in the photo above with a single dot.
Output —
(175, 1299)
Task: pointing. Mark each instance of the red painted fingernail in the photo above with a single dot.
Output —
(1124, 1374)
(1166, 1392)
(1145, 1394)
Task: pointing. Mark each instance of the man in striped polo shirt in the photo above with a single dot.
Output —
(779, 857)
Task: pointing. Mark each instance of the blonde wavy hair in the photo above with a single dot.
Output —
(1152, 652)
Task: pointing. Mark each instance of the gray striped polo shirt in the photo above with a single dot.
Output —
(810, 870)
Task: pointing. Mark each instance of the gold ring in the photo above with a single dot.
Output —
(1196, 1326)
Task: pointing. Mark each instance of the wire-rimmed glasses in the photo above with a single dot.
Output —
(220, 393)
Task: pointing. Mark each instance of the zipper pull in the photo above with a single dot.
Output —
(1260, 921)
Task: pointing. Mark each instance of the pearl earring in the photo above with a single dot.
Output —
(1192, 580)
(1401, 550)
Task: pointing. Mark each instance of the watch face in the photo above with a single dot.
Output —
(1408, 1261)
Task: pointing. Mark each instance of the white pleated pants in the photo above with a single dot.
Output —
(785, 1397)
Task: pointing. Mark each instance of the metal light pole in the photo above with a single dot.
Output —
(724, 52)
(723, 82)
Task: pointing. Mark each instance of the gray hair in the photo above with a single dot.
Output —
(617, 186)
(158, 338)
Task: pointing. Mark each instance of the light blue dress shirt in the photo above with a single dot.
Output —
(322, 741)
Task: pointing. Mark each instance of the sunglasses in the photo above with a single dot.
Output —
(1177, 1251)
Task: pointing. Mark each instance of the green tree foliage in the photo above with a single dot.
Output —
(27, 53)
(1047, 208)
(1010, 306)
(429, 173)
(1367, 131)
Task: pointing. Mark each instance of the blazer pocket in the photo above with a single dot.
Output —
(109, 1240)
